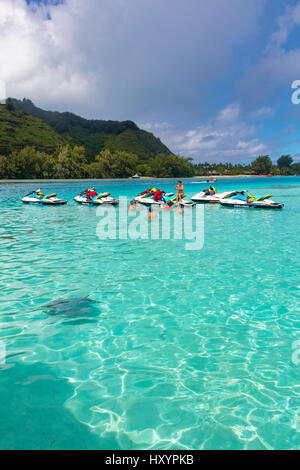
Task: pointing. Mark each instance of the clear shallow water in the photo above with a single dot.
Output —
(183, 349)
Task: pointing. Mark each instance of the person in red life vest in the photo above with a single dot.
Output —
(158, 195)
(91, 193)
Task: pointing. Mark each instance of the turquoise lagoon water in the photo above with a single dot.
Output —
(182, 349)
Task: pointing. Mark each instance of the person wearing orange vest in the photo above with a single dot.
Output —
(179, 188)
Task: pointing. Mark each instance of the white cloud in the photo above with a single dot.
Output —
(3, 95)
(155, 62)
(225, 138)
(123, 59)
(277, 67)
(37, 56)
(285, 25)
(262, 113)
(229, 114)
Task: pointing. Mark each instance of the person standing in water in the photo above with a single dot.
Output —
(179, 188)
(151, 214)
(180, 209)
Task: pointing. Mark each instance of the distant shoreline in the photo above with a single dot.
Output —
(206, 177)
(244, 176)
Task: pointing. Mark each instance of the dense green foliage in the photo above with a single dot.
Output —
(97, 135)
(287, 167)
(18, 130)
(171, 166)
(9, 105)
(70, 162)
(285, 161)
(260, 166)
(29, 163)
(116, 164)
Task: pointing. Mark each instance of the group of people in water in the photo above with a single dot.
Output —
(159, 196)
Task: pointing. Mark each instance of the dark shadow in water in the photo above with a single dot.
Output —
(33, 415)
(73, 307)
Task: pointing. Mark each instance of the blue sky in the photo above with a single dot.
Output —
(211, 78)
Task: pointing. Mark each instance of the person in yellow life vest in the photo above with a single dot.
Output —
(212, 191)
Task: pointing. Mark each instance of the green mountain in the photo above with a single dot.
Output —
(18, 129)
(97, 135)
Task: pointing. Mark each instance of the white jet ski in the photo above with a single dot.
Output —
(96, 200)
(147, 199)
(37, 197)
(210, 196)
(245, 200)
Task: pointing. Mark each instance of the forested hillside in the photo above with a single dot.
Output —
(18, 130)
(97, 135)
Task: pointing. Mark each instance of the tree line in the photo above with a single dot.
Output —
(262, 165)
(70, 162)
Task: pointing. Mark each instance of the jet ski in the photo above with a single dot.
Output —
(94, 198)
(37, 197)
(210, 196)
(147, 198)
(246, 200)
